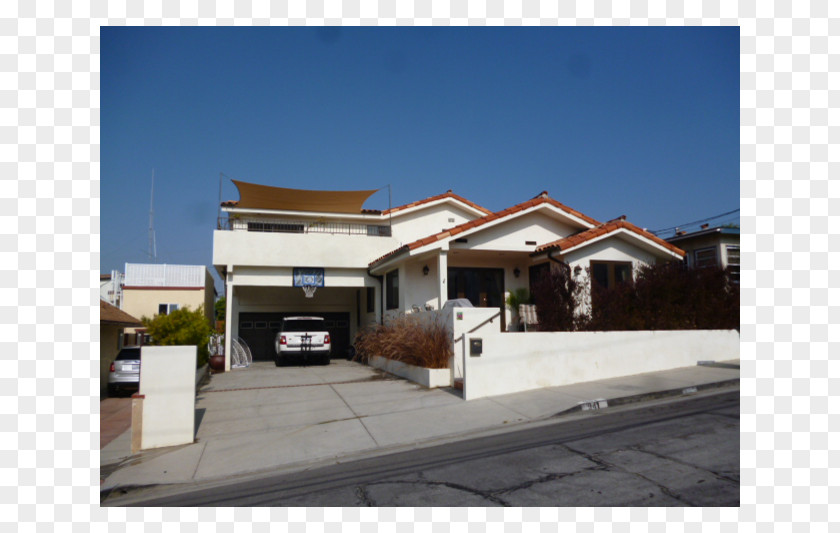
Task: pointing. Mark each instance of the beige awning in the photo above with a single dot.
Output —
(253, 196)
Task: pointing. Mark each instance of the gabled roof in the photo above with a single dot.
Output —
(586, 236)
(541, 199)
(109, 314)
(447, 194)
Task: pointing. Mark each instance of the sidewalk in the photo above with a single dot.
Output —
(263, 419)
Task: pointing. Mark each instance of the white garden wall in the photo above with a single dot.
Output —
(514, 362)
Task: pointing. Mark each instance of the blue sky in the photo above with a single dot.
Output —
(642, 122)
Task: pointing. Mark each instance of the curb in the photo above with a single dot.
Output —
(624, 400)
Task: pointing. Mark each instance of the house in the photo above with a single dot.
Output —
(110, 288)
(158, 289)
(112, 321)
(366, 265)
(717, 247)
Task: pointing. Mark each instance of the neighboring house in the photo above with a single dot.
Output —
(717, 247)
(372, 264)
(112, 321)
(110, 288)
(152, 289)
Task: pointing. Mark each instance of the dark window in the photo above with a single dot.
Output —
(536, 272)
(260, 325)
(129, 354)
(608, 274)
(303, 325)
(707, 257)
(165, 309)
(246, 325)
(275, 228)
(733, 263)
(370, 296)
(392, 290)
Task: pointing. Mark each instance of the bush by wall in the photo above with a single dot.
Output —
(412, 339)
(181, 327)
(668, 296)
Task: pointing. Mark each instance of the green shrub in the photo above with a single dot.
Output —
(181, 327)
(410, 339)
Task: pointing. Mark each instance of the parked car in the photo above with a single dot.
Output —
(124, 374)
(303, 337)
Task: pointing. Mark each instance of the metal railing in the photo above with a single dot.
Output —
(302, 226)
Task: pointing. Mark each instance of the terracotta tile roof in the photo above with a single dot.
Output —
(447, 194)
(608, 227)
(540, 199)
(108, 314)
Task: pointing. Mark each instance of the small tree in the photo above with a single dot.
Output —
(181, 327)
(558, 297)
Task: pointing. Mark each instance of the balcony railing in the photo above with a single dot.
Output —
(302, 226)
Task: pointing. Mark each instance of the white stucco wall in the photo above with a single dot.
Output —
(251, 248)
(512, 235)
(416, 224)
(514, 362)
(167, 380)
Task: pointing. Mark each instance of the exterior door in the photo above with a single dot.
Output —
(483, 287)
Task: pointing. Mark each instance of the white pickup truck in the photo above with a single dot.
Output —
(303, 337)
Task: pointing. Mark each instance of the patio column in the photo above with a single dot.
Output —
(228, 316)
(443, 293)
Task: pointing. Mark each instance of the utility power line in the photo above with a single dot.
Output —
(672, 228)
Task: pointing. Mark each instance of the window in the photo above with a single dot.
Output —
(275, 228)
(165, 309)
(608, 274)
(392, 289)
(733, 263)
(370, 297)
(706, 257)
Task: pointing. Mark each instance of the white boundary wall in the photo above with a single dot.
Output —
(167, 380)
(514, 362)
(428, 377)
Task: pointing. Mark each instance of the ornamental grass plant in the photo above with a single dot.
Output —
(421, 340)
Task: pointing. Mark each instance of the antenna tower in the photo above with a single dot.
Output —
(152, 245)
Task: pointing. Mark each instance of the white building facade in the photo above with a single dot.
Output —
(369, 265)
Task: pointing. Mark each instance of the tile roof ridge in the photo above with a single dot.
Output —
(447, 194)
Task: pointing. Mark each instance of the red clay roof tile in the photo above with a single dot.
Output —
(609, 227)
(484, 220)
(447, 194)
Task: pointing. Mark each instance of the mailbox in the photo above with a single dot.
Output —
(475, 347)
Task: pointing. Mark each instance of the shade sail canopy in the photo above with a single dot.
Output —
(253, 196)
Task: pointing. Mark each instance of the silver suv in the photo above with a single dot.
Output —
(303, 336)
(124, 374)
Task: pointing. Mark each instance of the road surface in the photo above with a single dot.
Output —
(682, 452)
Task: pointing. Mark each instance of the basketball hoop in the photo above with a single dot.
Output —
(309, 290)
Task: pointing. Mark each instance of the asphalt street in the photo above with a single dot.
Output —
(676, 452)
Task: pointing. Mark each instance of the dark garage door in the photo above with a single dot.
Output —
(258, 330)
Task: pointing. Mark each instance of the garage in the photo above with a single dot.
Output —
(258, 330)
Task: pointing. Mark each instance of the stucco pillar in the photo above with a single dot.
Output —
(443, 293)
(228, 316)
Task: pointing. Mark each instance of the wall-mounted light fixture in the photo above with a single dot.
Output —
(425, 270)
(516, 272)
(577, 270)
